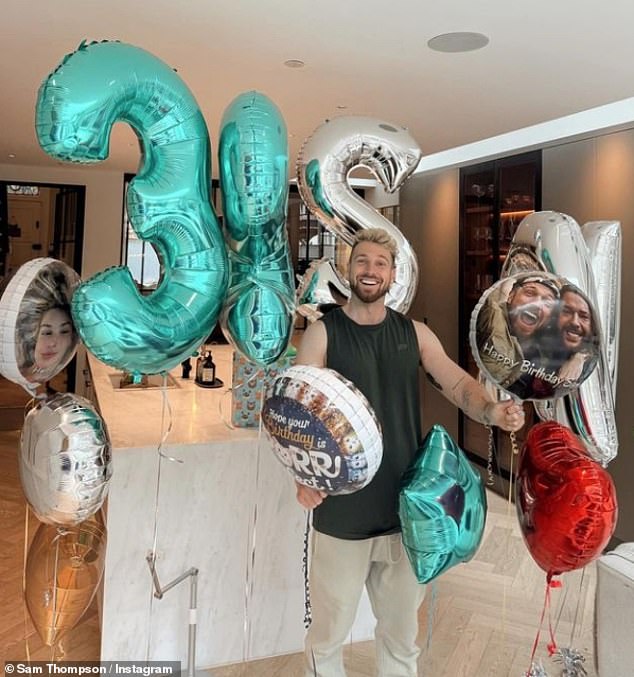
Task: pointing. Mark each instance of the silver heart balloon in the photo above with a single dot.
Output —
(65, 459)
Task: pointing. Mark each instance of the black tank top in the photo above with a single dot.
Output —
(382, 361)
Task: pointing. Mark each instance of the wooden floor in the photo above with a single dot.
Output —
(479, 619)
(483, 616)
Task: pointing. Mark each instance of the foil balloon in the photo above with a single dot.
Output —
(442, 507)
(64, 567)
(168, 203)
(320, 288)
(535, 335)
(37, 335)
(258, 313)
(566, 502)
(604, 242)
(65, 459)
(556, 243)
(322, 429)
(323, 165)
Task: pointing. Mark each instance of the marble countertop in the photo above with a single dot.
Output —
(197, 415)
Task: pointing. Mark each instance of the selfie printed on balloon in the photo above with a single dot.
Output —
(535, 335)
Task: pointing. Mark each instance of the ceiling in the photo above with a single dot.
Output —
(545, 59)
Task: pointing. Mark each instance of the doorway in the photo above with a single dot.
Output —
(38, 220)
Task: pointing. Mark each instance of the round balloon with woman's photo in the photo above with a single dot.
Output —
(535, 335)
(37, 335)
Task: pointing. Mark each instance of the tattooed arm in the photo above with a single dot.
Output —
(461, 388)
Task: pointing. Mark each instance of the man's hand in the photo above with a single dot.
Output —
(309, 498)
(508, 415)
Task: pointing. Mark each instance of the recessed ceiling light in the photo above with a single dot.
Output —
(341, 107)
(294, 63)
(11, 156)
(458, 42)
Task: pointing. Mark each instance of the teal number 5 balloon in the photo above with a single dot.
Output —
(258, 313)
(168, 202)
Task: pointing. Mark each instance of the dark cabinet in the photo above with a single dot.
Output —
(494, 197)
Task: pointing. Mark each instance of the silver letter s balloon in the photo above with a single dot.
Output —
(168, 202)
(258, 313)
(323, 165)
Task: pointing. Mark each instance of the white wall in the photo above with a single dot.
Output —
(430, 220)
(378, 197)
(104, 205)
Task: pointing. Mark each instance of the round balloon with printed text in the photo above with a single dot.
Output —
(322, 429)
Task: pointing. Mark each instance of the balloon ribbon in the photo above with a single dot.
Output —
(552, 645)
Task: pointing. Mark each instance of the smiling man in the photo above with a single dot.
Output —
(356, 538)
(530, 305)
(511, 325)
(574, 321)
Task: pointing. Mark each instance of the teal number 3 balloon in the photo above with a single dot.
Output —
(258, 314)
(168, 202)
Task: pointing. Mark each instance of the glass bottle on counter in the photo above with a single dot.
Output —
(205, 369)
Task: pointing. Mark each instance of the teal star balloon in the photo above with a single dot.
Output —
(442, 506)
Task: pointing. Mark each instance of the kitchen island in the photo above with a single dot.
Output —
(212, 497)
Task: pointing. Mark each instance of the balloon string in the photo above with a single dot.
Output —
(552, 645)
(27, 408)
(560, 607)
(227, 419)
(24, 606)
(514, 446)
(539, 629)
(250, 568)
(507, 541)
(308, 616)
(60, 533)
(431, 613)
(490, 457)
(29, 405)
(577, 608)
(165, 410)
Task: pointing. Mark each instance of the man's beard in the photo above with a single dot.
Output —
(372, 294)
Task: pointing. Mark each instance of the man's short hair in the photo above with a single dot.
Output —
(575, 290)
(378, 236)
(547, 282)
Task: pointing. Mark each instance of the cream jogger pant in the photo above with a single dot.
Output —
(338, 571)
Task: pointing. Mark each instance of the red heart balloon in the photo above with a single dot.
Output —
(566, 502)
